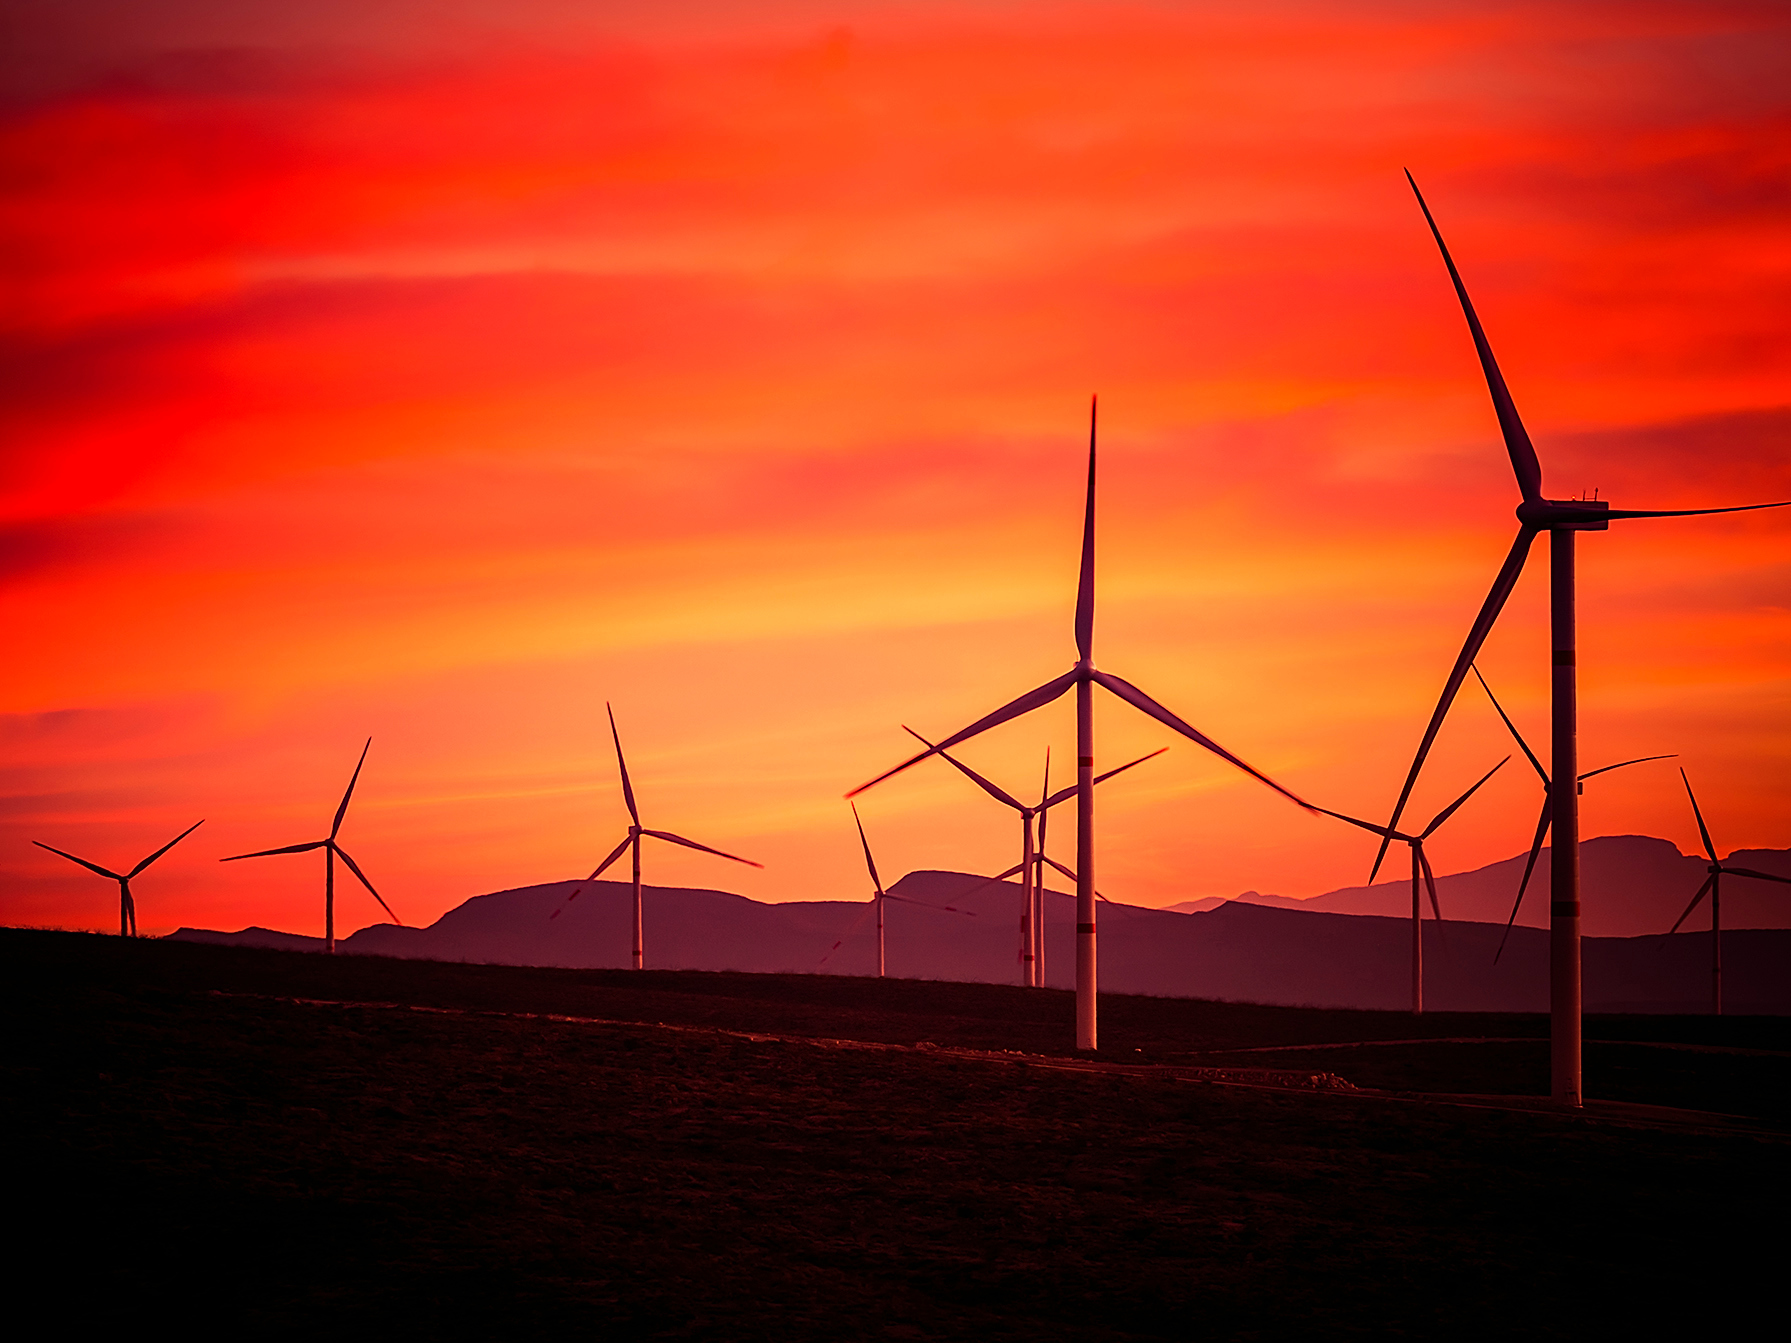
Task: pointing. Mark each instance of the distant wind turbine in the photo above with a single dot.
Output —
(1542, 821)
(1560, 518)
(877, 900)
(1084, 677)
(1713, 885)
(127, 907)
(633, 841)
(1420, 866)
(1031, 908)
(331, 852)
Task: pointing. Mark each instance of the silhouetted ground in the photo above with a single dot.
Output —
(192, 1148)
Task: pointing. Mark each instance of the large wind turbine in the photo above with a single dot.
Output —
(331, 852)
(1560, 518)
(1713, 884)
(1420, 867)
(1084, 677)
(633, 841)
(1542, 820)
(1030, 872)
(877, 900)
(127, 907)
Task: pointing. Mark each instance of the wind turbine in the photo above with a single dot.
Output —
(127, 907)
(633, 841)
(1029, 871)
(1561, 519)
(877, 900)
(1420, 866)
(331, 852)
(1084, 677)
(1713, 884)
(1542, 821)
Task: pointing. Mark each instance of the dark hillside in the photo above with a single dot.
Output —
(208, 1146)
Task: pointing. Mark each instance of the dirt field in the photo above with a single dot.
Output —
(208, 1137)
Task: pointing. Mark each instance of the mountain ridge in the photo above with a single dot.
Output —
(1241, 950)
(1631, 886)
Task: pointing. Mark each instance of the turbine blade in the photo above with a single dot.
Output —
(91, 867)
(670, 838)
(1065, 794)
(1542, 824)
(869, 862)
(1032, 699)
(1708, 882)
(1703, 830)
(1045, 789)
(268, 853)
(1524, 463)
(1688, 512)
(999, 794)
(928, 904)
(1085, 579)
(854, 926)
(1517, 736)
(1063, 871)
(342, 810)
(1121, 769)
(169, 845)
(602, 867)
(1451, 809)
(615, 853)
(1132, 695)
(1639, 760)
(361, 876)
(1430, 883)
(1482, 626)
(996, 880)
(1383, 831)
(1749, 872)
(622, 766)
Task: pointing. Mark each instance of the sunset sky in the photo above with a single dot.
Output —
(437, 372)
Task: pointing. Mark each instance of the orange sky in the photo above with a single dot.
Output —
(371, 371)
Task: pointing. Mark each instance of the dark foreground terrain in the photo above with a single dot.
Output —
(277, 1144)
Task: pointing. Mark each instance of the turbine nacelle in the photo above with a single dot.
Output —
(1580, 515)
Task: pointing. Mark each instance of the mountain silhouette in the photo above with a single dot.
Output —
(1298, 953)
(1631, 886)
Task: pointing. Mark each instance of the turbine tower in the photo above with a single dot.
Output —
(1561, 519)
(633, 841)
(876, 905)
(331, 852)
(1542, 820)
(1030, 872)
(1083, 677)
(1713, 884)
(1420, 866)
(127, 907)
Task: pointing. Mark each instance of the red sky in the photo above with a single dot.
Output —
(437, 373)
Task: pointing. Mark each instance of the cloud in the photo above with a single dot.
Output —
(368, 375)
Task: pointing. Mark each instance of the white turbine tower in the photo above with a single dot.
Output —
(1083, 677)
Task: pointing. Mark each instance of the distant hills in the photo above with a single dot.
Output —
(1631, 886)
(1350, 948)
